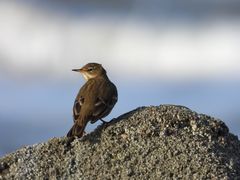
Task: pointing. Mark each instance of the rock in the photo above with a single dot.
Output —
(163, 142)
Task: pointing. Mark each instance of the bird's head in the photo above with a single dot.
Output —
(91, 70)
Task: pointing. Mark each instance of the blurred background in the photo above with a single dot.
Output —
(156, 52)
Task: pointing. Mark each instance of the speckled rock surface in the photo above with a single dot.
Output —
(163, 142)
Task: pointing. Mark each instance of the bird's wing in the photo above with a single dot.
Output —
(101, 94)
(77, 108)
(105, 102)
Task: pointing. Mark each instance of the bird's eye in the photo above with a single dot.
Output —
(90, 69)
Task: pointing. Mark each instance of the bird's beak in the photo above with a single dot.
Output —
(77, 70)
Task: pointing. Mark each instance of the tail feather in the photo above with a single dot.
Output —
(77, 130)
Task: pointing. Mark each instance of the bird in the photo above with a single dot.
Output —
(95, 99)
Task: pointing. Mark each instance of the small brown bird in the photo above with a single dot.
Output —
(95, 99)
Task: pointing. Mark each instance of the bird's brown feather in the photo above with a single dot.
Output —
(94, 101)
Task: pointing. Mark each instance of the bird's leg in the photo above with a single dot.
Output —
(103, 120)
